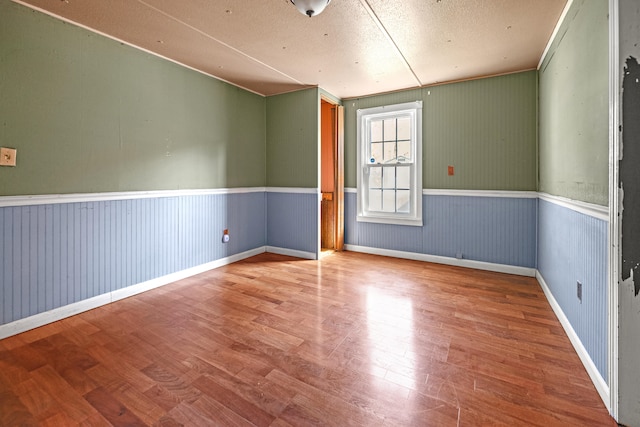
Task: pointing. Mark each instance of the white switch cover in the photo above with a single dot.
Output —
(7, 156)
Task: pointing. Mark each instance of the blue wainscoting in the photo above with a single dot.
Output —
(498, 230)
(572, 247)
(292, 221)
(54, 255)
(57, 254)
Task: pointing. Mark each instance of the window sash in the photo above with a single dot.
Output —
(388, 182)
(389, 141)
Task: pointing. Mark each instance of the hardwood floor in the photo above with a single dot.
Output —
(351, 340)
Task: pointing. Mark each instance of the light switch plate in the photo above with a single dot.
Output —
(7, 156)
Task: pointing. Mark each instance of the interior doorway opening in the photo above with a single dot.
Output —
(332, 176)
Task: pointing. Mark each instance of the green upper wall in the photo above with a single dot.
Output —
(293, 139)
(88, 114)
(485, 128)
(574, 107)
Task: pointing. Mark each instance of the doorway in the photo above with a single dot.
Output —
(332, 176)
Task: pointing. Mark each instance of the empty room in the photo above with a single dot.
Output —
(319, 212)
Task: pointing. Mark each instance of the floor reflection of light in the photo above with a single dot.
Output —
(390, 333)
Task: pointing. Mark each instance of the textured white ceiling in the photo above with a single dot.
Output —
(354, 48)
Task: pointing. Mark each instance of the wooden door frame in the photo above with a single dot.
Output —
(338, 169)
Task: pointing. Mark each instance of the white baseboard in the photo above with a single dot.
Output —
(594, 374)
(41, 319)
(183, 274)
(599, 382)
(479, 265)
(291, 252)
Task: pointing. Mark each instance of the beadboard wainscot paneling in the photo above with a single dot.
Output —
(483, 229)
(572, 247)
(490, 227)
(292, 221)
(62, 250)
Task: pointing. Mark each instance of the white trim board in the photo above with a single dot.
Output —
(554, 33)
(597, 211)
(293, 190)
(470, 193)
(479, 265)
(49, 199)
(41, 319)
(482, 193)
(615, 208)
(594, 374)
(291, 252)
(590, 209)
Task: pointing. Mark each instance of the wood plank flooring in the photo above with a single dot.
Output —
(351, 340)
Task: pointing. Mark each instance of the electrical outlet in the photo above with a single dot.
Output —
(225, 236)
(579, 291)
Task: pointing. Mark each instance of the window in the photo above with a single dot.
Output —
(389, 160)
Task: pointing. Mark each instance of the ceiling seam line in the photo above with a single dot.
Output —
(219, 41)
(381, 26)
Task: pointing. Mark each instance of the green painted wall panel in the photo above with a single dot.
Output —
(574, 107)
(485, 128)
(88, 114)
(293, 139)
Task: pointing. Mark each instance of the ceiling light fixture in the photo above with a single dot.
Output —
(310, 7)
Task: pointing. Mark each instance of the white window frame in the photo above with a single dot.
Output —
(365, 117)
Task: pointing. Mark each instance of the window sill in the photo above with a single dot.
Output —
(414, 222)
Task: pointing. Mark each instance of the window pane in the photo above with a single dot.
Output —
(375, 200)
(389, 178)
(404, 128)
(375, 177)
(402, 200)
(389, 201)
(376, 152)
(376, 130)
(390, 130)
(403, 177)
(389, 152)
(404, 151)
